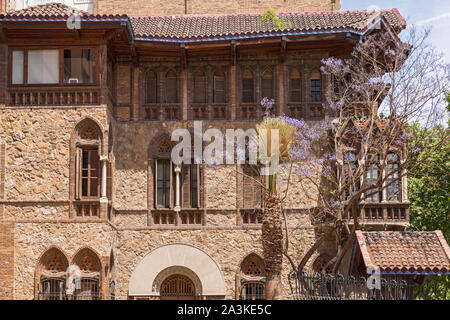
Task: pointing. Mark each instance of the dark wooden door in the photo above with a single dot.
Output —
(177, 287)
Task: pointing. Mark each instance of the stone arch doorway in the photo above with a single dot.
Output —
(177, 287)
(176, 259)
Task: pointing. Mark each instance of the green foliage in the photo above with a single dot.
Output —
(269, 16)
(448, 100)
(428, 189)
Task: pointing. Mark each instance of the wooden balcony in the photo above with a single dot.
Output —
(208, 112)
(53, 96)
(384, 213)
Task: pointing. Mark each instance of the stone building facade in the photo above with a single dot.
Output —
(177, 7)
(85, 176)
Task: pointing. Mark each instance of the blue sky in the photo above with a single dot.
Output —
(434, 13)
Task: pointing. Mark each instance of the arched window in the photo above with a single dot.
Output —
(219, 87)
(87, 168)
(51, 275)
(248, 88)
(252, 281)
(91, 273)
(163, 176)
(316, 86)
(200, 92)
(171, 88)
(151, 84)
(267, 84)
(351, 180)
(372, 176)
(295, 86)
(394, 190)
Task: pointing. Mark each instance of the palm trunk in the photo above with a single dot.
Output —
(272, 243)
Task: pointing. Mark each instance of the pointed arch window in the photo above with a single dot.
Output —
(394, 190)
(171, 87)
(252, 279)
(295, 83)
(87, 162)
(267, 84)
(51, 270)
(248, 88)
(373, 174)
(219, 86)
(200, 84)
(316, 86)
(91, 275)
(351, 180)
(151, 95)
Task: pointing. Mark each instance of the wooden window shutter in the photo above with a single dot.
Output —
(247, 192)
(219, 87)
(155, 184)
(109, 187)
(152, 87)
(78, 159)
(267, 84)
(200, 87)
(171, 87)
(171, 182)
(247, 87)
(295, 86)
(185, 184)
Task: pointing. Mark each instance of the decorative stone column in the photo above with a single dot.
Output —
(177, 188)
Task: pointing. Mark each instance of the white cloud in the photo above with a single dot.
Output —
(433, 19)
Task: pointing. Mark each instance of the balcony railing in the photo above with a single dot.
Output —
(158, 112)
(87, 209)
(389, 212)
(251, 216)
(208, 112)
(167, 217)
(31, 96)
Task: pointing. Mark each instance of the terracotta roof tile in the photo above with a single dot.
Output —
(188, 27)
(194, 26)
(405, 252)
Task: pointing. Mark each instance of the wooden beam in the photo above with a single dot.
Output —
(3, 34)
(183, 57)
(233, 53)
(283, 49)
(134, 56)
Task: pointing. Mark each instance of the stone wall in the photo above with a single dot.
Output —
(37, 143)
(158, 7)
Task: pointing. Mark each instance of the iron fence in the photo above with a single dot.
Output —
(320, 286)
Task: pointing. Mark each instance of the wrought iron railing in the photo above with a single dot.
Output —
(319, 286)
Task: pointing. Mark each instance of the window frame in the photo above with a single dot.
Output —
(79, 173)
(96, 75)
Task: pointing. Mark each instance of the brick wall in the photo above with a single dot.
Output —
(160, 7)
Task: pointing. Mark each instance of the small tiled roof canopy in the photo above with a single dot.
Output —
(396, 252)
(221, 26)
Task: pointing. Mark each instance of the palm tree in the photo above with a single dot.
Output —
(272, 232)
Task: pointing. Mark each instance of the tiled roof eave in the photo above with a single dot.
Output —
(246, 36)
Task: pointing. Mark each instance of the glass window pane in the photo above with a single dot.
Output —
(78, 66)
(43, 66)
(17, 67)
